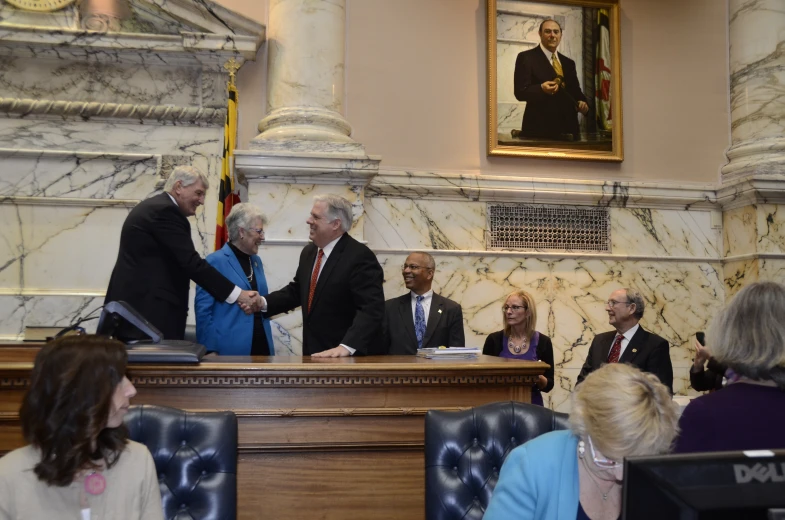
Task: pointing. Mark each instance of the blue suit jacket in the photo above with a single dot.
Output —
(222, 327)
(538, 481)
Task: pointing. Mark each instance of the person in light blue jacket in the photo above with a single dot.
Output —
(225, 328)
(617, 412)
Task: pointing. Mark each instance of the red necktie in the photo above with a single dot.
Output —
(615, 354)
(315, 277)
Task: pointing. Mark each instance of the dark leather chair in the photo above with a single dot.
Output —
(195, 456)
(464, 452)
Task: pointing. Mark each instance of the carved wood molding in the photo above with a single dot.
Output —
(91, 109)
(324, 380)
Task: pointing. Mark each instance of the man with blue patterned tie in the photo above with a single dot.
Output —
(421, 318)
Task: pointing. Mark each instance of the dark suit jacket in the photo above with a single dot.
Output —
(445, 325)
(155, 262)
(546, 116)
(348, 305)
(646, 350)
(495, 342)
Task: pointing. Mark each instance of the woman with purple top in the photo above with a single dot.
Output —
(748, 336)
(519, 340)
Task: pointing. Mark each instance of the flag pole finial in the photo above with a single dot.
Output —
(231, 67)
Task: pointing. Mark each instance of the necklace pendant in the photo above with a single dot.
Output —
(605, 496)
(95, 484)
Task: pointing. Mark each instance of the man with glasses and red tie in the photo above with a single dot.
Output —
(421, 318)
(629, 343)
(338, 284)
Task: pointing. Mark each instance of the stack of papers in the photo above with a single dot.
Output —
(449, 352)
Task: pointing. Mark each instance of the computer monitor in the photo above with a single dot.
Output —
(117, 318)
(730, 485)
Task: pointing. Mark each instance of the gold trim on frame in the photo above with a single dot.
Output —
(617, 152)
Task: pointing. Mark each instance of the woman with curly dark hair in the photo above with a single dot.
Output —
(79, 463)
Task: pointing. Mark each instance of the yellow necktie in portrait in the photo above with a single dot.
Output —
(556, 65)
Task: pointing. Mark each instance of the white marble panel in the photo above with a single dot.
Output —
(287, 206)
(412, 223)
(739, 227)
(144, 83)
(44, 310)
(771, 228)
(59, 248)
(78, 176)
(643, 231)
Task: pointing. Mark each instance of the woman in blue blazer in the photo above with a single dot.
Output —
(225, 328)
(568, 475)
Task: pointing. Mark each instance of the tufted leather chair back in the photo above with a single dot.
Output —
(195, 456)
(464, 452)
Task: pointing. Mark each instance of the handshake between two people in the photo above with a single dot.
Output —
(250, 301)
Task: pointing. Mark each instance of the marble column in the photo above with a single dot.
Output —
(752, 191)
(305, 80)
(757, 83)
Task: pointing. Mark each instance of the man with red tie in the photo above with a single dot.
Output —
(338, 284)
(629, 343)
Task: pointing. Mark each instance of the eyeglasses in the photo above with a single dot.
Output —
(611, 303)
(600, 462)
(259, 231)
(515, 308)
(413, 267)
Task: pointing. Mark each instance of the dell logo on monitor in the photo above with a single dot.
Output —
(762, 473)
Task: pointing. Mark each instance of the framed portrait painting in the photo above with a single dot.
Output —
(554, 79)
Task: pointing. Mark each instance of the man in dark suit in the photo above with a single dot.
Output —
(548, 82)
(338, 284)
(157, 259)
(421, 318)
(629, 343)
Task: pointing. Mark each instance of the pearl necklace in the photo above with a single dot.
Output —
(250, 266)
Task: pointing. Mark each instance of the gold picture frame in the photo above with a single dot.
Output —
(587, 42)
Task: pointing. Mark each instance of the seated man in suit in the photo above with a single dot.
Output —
(629, 343)
(421, 318)
(338, 285)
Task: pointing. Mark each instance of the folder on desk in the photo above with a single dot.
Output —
(449, 352)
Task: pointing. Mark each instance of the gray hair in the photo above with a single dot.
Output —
(431, 263)
(635, 297)
(625, 411)
(337, 207)
(748, 335)
(242, 216)
(187, 175)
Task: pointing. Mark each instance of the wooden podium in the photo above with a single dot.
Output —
(319, 438)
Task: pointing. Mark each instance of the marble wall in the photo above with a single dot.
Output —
(90, 124)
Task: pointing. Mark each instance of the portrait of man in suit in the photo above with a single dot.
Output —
(421, 318)
(338, 285)
(548, 82)
(629, 342)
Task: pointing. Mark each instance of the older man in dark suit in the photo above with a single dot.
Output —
(421, 318)
(629, 343)
(548, 82)
(157, 259)
(338, 284)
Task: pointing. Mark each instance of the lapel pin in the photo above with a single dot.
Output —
(440, 311)
(634, 350)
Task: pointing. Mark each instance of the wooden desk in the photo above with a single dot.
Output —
(328, 439)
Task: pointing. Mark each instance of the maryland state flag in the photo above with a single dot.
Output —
(602, 72)
(227, 197)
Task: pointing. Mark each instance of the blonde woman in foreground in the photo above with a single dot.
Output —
(618, 411)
